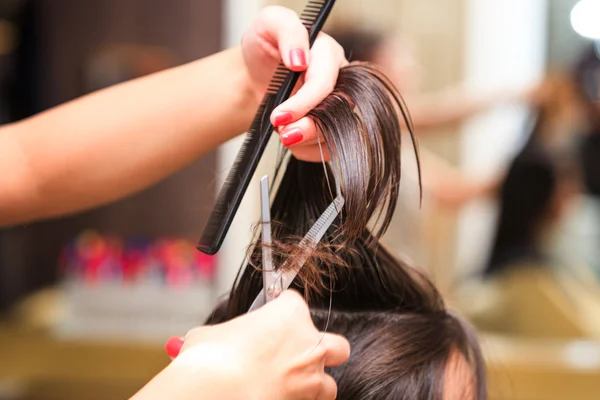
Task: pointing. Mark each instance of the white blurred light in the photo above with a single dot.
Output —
(585, 18)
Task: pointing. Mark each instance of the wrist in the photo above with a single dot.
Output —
(229, 102)
(185, 382)
(213, 370)
(246, 98)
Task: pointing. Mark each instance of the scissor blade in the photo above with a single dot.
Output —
(267, 252)
(309, 242)
(259, 301)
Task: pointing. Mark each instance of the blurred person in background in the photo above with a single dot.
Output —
(444, 183)
(80, 155)
(587, 74)
(541, 179)
(529, 288)
(581, 236)
(397, 55)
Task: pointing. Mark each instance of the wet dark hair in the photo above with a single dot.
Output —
(529, 187)
(401, 334)
(525, 198)
(590, 162)
(398, 356)
(586, 73)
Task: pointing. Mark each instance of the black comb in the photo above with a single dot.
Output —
(280, 88)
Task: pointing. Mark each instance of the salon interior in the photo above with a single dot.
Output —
(512, 243)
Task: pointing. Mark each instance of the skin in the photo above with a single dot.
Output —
(449, 186)
(120, 140)
(114, 142)
(274, 353)
(458, 378)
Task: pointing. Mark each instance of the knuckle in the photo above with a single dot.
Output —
(307, 126)
(332, 390)
(333, 44)
(328, 86)
(334, 47)
(321, 350)
(314, 382)
(320, 84)
(340, 51)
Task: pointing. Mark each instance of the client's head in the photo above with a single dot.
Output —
(396, 355)
(405, 343)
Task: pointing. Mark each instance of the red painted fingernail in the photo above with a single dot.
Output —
(297, 58)
(283, 119)
(291, 137)
(173, 346)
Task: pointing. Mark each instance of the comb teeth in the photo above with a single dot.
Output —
(311, 12)
(237, 180)
(258, 122)
(281, 73)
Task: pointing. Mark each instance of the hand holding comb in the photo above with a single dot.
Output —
(279, 90)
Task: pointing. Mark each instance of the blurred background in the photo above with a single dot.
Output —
(504, 97)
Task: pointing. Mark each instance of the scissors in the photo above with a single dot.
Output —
(276, 281)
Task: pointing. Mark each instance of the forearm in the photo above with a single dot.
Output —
(172, 384)
(117, 141)
(451, 107)
(448, 185)
(200, 373)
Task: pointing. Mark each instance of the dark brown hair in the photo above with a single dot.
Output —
(525, 198)
(401, 334)
(534, 178)
(587, 75)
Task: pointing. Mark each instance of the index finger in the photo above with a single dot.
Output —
(327, 57)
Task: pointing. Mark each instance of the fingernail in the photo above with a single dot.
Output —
(173, 346)
(297, 57)
(291, 137)
(283, 119)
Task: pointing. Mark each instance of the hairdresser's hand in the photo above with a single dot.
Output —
(278, 34)
(273, 353)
